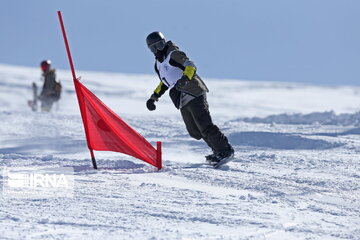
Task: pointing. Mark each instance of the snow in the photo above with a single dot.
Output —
(296, 173)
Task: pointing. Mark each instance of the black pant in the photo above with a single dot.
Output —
(199, 124)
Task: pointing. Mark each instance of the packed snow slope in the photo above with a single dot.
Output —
(295, 176)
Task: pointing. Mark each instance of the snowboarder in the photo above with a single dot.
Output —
(188, 93)
(51, 89)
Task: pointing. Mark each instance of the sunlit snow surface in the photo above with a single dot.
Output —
(296, 173)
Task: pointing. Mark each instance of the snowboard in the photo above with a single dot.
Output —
(207, 164)
(223, 162)
(33, 103)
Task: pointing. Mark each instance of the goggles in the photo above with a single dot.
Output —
(159, 45)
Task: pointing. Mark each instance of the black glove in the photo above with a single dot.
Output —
(150, 104)
(182, 82)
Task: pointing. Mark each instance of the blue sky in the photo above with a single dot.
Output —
(309, 41)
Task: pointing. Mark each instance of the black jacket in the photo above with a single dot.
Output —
(49, 83)
(195, 87)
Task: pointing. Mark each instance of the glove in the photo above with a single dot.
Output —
(182, 82)
(188, 74)
(150, 104)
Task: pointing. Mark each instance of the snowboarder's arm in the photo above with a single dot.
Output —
(159, 91)
(180, 60)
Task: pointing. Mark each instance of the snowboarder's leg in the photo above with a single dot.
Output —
(213, 154)
(46, 105)
(190, 124)
(200, 111)
(212, 135)
(194, 131)
(223, 148)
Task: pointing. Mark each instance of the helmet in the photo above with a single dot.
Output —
(155, 41)
(45, 65)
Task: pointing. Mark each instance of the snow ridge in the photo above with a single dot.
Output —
(315, 118)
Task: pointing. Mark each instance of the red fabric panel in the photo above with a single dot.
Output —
(106, 131)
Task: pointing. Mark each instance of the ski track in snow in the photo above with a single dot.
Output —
(295, 176)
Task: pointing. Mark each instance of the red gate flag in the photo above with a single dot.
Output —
(106, 131)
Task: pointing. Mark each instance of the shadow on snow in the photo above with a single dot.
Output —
(283, 141)
(44, 144)
(354, 131)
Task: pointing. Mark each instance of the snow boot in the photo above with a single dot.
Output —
(210, 157)
(223, 157)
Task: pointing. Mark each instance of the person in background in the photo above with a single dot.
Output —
(51, 89)
(188, 93)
